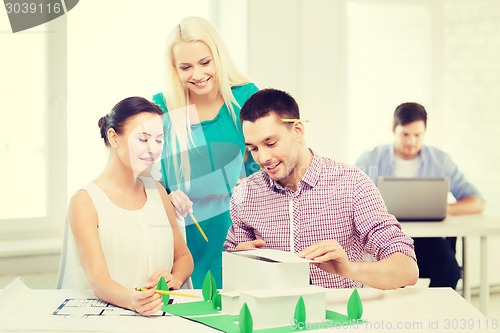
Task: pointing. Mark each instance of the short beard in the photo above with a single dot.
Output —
(288, 174)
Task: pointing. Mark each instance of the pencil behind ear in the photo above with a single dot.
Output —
(299, 129)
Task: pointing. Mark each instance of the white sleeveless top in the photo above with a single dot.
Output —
(135, 243)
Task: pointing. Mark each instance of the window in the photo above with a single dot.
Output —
(57, 80)
(117, 53)
(23, 103)
(33, 110)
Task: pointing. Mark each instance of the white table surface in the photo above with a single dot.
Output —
(468, 227)
(413, 310)
(402, 310)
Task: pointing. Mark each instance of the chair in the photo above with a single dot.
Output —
(452, 242)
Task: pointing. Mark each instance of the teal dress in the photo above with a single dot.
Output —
(216, 165)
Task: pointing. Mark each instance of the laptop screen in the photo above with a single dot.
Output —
(415, 199)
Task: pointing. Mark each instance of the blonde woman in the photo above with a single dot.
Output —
(204, 156)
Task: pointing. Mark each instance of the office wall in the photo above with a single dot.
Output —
(301, 50)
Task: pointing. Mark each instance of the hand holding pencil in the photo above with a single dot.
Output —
(184, 206)
(181, 202)
(147, 302)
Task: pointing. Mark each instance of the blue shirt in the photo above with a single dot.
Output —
(433, 162)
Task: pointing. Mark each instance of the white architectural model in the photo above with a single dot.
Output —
(270, 282)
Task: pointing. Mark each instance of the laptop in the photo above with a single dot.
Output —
(415, 199)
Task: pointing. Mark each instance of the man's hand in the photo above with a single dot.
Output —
(255, 244)
(329, 256)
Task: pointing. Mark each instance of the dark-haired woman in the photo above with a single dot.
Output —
(124, 232)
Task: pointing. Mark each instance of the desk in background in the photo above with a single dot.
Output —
(467, 227)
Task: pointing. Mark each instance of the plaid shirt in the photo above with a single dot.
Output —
(332, 201)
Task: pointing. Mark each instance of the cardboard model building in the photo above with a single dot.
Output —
(268, 290)
(271, 283)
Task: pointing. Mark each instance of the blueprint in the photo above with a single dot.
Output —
(88, 307)
(23, 309)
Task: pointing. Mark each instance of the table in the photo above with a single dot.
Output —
(465, 226)
(413, 309)
(408, 309)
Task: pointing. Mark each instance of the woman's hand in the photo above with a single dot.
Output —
(172, 282)
(181, 202)
(146, 302)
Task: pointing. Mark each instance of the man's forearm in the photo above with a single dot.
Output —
(397, 271)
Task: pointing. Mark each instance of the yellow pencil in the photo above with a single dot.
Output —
(195, 222)
(199, 227)
(165, 292)
(291, 120)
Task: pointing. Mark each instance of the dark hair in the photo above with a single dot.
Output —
(407, 113)
(122, 111)
(267, 101)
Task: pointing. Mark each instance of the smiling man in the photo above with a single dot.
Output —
(409, 157)
(314, 206)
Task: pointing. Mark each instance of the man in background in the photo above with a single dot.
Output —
(409, 157)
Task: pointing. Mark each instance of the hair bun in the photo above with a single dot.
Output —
(102, 125)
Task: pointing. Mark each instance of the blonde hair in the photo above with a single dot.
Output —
(194, 29)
